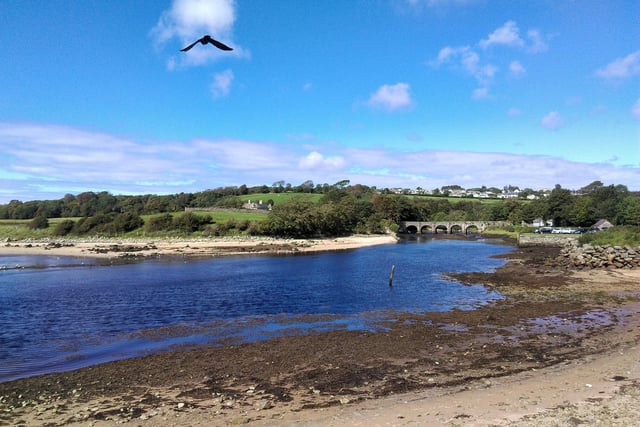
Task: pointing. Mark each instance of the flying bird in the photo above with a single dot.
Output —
(207, 39)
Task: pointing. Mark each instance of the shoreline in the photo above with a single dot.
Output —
(108, 248)
(560, 349)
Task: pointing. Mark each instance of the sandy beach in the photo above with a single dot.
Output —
(206, 247)
(562, 349)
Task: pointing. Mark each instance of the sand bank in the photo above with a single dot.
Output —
(109, 247)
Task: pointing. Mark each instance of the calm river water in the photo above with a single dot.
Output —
(68, 313)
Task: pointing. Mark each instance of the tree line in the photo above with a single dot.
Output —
(342, 209)
(91, 203)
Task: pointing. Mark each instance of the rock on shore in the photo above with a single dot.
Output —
(596, 256)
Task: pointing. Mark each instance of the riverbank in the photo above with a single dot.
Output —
(206, 247)
(560, 349)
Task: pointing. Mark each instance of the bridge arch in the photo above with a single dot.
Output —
(456, 228)
(426, 229)
(411, 229)
(441, 228)
(472, 228)
(447, 227)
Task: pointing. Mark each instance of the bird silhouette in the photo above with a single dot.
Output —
(207, 39)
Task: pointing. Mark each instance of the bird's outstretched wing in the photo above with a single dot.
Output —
(218, 44)
(207, 39)
(190, 46)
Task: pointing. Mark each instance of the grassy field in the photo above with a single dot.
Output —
(279, 197)
(617, 236)
(221, 215)
(18, 229)
(454, 200)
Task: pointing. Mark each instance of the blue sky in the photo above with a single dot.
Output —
(96, 95)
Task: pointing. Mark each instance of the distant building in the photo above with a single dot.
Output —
(602, 225)
(483, 194)
(457, 193)
(509, 194)
(539, 222)
(257, 206)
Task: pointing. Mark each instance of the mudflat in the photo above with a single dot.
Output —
(560, 349)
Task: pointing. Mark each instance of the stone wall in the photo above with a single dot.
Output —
(607, 256)
(545, 239)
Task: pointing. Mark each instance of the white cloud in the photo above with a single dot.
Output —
(315, 160)
(188, 20)
(467, 60)
(552, 121)
(635, 110)
(537, 42)
(446, 53)
(470, 60)
(481, 93)
(516, 69)
(64, 154)
(507, 35)
(40, 161)
(392, 97)
(621, 68)
(398, 169)
(221, 84)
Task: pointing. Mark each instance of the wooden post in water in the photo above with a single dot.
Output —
(393, 270)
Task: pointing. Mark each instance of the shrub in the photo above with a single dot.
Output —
(92, 224)
(215, 230)
(64, 227)
(126, 222)
(255, 229)
(242, 224)
(619, 235)
(159, 223)
(189, 222)
(38, 222)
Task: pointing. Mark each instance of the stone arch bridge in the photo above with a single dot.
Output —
(448, 227)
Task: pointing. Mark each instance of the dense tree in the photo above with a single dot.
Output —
(92, 224)
(631, 211)
(189, 222)
(342, 184)
(64, 227)
(559, 206)
(588, 189)
(582, 211)
(127, 222)
(608, 202)
(387, 207)
(159, 223)
(38, 222)
(292, 218)
(516, 211)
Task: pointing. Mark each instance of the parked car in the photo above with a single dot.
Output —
(544, 230)
(562, 231)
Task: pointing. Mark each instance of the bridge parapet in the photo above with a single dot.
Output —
(448, 227)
